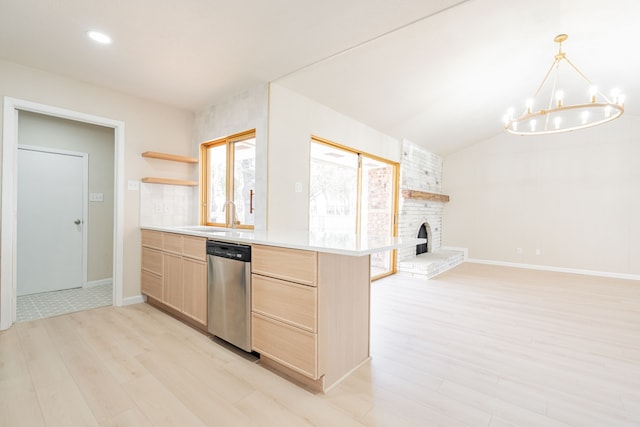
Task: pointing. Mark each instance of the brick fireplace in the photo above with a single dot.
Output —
(422, 202)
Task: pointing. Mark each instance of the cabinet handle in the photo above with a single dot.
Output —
(251, 194)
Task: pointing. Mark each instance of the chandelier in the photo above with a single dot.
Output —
(560, 116)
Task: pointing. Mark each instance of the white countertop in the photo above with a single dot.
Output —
(336, 243)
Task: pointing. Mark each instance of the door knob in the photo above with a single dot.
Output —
(77, 222)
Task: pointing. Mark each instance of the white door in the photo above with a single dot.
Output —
(50, 220)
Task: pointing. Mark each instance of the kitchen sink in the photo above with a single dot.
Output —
(212, 229)
(203, 228)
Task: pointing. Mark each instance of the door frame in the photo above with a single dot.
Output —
(85, 202)
(8, 263)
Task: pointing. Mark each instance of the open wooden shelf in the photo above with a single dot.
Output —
(172, 157)
(151, 180)
(423, 195)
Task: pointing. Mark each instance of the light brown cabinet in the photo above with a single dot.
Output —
(174, 273)
(310, 313)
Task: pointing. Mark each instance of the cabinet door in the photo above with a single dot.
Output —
(195, 290)
(172, 285)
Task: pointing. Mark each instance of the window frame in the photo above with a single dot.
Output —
(396, 190)
(229, 142)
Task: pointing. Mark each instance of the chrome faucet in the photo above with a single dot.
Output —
(234, 218)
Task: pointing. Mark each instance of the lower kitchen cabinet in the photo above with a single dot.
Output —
(174, 273)
(194, 302)
(310, 313)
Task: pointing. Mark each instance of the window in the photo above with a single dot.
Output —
(228, 175)
(353, 192)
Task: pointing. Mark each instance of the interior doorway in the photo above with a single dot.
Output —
(8, 266)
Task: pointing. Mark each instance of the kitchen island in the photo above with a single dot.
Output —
(310, 295)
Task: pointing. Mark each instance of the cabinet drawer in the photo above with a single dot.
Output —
(152, 238)
(285, 301)
(288, 264)
(172, 243)
(194, 247)
(285, 344)
(152, 260)
(151, 285)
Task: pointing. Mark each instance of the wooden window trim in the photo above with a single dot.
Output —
(228, 141)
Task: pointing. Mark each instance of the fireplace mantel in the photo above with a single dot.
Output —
(423, 195)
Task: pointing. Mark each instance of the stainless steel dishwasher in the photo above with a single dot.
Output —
(229, 282)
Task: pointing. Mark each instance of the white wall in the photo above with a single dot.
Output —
(98, 142)
(148, 126)
(293, 119)
(575, 196)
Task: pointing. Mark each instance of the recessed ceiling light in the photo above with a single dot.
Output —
(99, 37)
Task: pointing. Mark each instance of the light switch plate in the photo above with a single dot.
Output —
(298, 187)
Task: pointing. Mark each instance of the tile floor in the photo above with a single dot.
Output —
(48, 304)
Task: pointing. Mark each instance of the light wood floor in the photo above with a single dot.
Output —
(477, 346)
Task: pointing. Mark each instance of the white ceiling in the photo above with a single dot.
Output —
(438, 72)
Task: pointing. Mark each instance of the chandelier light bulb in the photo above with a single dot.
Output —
(559, 97)
(529, 105)
(532, 125)
(620, 100)
(593, 91)
(556, 122)
(607, 111)
(585, 117)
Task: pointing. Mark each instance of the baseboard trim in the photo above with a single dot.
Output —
(556, 269)
(137, 299)
(100, 282)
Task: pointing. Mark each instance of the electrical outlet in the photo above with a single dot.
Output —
(157, 207)
(96, 197)
(519, 251)
(133, 185)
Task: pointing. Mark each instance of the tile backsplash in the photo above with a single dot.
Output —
(168, 205)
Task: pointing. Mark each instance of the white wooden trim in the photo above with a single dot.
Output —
(134, 300)
(557, 269)
(9, 199)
